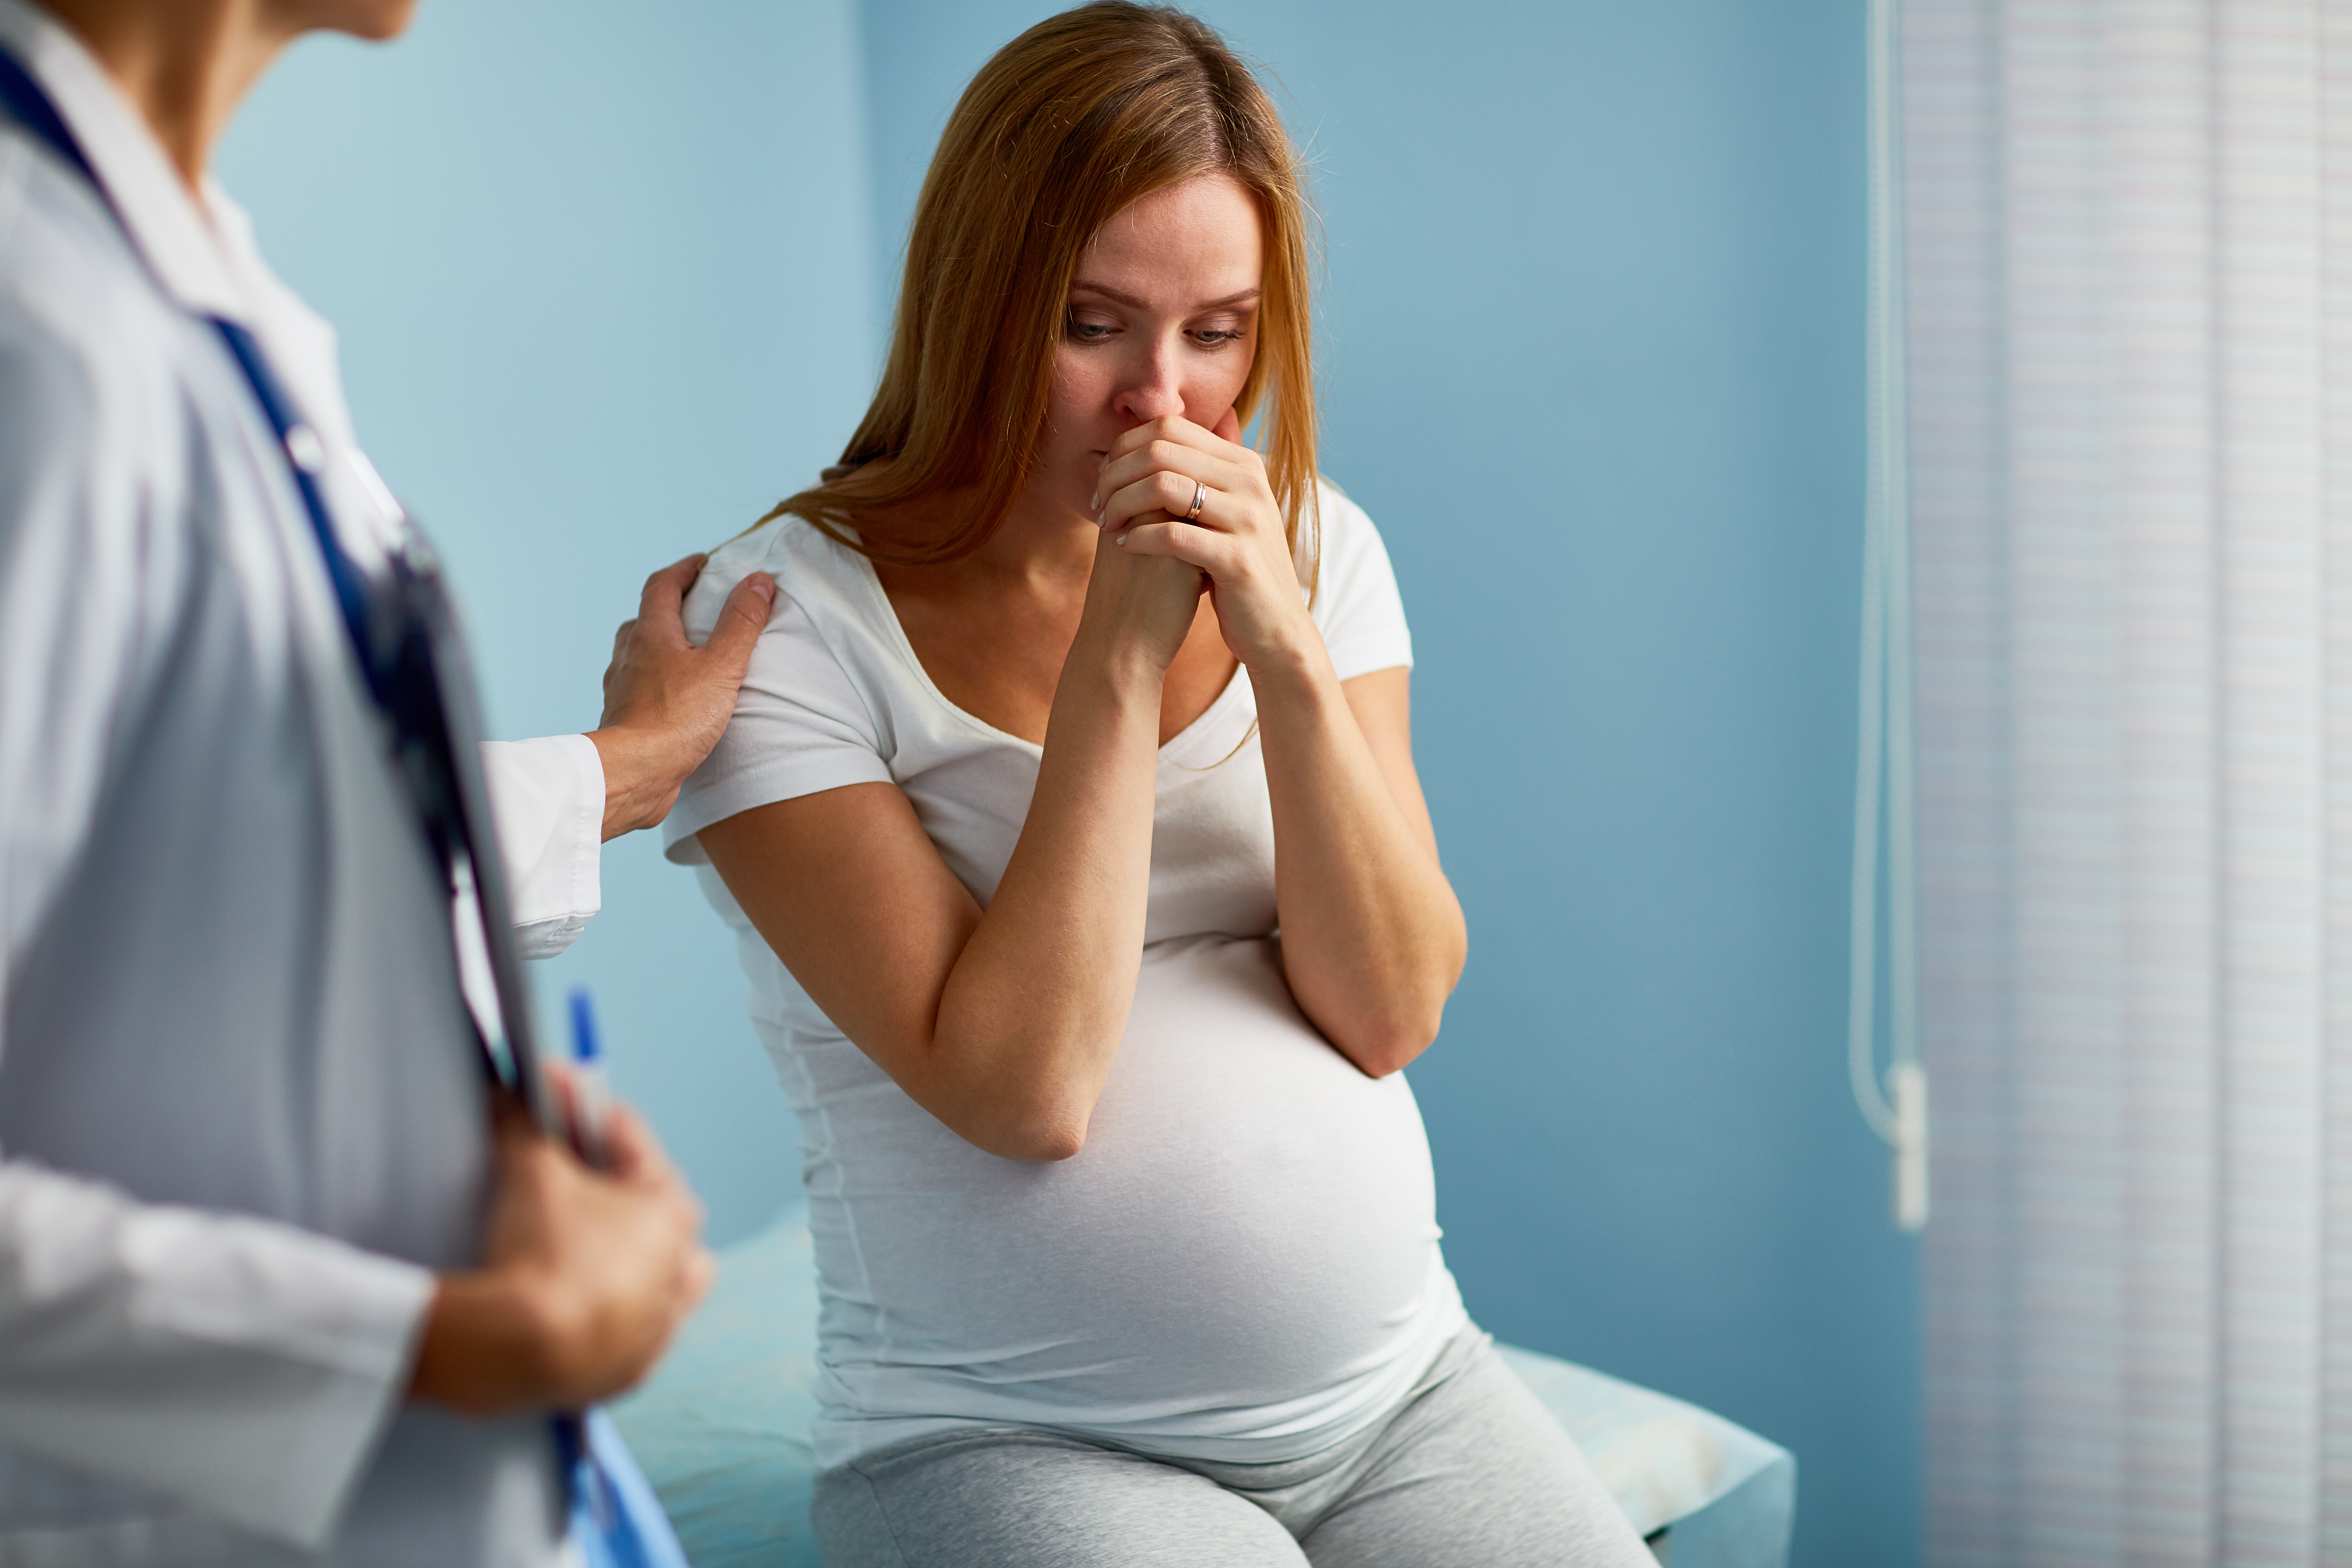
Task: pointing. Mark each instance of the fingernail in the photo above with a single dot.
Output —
(765, 587)
(1093, 502)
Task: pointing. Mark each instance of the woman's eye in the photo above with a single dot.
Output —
(1087, 332)
(1217, 337)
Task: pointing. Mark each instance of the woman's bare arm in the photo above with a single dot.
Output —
(1372, 936)
(1002, 1023)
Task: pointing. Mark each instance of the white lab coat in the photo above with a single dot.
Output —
(241, 1117)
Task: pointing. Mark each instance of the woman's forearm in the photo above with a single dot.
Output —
(1031, 1013)
(1372, 936)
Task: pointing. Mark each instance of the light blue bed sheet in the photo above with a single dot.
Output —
(721, 1428)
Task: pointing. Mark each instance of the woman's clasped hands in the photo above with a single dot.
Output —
(1172, 489)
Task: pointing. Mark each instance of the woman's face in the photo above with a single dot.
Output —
(1162, 319)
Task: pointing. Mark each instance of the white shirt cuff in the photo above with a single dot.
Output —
(548, 795)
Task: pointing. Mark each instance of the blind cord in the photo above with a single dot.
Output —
(1884, 807)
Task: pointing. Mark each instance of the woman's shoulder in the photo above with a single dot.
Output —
(1338, 540)
(1341, 532)
(1355, 600)
(829, 582)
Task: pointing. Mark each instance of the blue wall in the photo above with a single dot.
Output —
(602, 291)
(1592, 358)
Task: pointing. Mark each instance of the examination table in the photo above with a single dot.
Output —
(721, 1429)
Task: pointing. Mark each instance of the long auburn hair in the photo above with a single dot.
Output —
(1069, 124)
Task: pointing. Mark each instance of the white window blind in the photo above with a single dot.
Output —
(2128, 270)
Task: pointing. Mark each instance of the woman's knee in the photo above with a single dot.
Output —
(1478, 1474)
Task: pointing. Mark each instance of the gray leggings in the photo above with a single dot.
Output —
(1469, 1471)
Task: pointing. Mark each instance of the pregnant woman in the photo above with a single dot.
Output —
(1069, 824)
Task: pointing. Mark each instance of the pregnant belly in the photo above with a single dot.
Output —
(1248, 1235)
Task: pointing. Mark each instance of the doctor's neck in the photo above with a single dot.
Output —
(186, 65)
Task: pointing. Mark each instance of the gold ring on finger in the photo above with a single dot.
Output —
(1200, 499)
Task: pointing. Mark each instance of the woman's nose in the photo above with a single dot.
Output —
(1154, 393)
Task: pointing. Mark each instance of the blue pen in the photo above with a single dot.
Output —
(592, 1097)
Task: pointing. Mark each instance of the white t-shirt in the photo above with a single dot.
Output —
(1243, 1262)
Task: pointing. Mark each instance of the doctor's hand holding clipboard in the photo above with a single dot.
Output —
(586, 1274)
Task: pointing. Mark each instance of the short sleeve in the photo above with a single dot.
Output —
(800, 726)
(1356, 604)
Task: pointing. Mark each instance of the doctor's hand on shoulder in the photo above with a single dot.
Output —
(585, 1275)
(665, 701)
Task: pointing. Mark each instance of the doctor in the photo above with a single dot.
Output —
(279, 1282)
